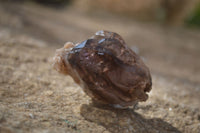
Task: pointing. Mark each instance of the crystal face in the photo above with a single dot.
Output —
(106, 68)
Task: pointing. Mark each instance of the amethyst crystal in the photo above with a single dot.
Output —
(106, 68)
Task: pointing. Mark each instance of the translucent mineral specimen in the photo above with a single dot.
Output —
(106, 68)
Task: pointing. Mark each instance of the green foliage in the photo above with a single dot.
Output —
(194, 19)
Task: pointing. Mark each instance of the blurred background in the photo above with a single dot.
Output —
(174, 12)
(163, 30)
(165, 33)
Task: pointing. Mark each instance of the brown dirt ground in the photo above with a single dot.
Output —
(35, 98)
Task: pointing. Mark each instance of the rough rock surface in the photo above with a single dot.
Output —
(34, 98)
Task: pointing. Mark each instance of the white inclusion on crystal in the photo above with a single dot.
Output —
(81, 45)
(99, 53)
(118, 106)
(102, 40)
(100, 33)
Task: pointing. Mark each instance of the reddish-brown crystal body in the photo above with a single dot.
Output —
(107, 69)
